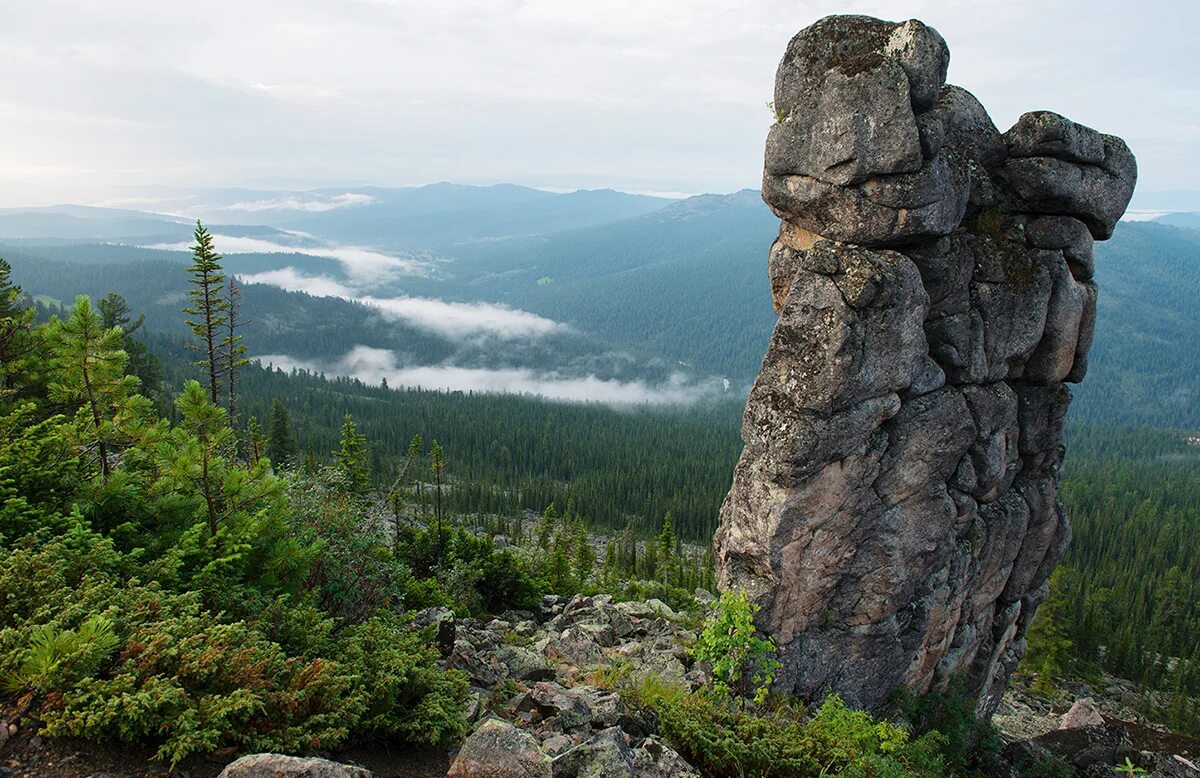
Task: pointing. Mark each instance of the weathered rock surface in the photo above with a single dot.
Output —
(895, 508)
(280, 766)
(532, 671)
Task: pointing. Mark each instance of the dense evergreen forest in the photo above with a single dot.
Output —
(1127, 599)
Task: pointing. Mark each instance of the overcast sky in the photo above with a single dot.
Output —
(651, 95)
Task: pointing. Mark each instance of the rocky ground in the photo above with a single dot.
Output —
(1092, 728)
(539, 708)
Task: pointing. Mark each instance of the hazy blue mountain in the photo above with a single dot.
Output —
(1188, 219)
(446, 215)
(683, 287)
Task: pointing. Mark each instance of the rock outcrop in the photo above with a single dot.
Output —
(895, 508)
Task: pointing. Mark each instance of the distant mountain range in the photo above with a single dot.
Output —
(592, 284)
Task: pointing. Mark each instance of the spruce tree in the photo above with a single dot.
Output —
(437, 466)
(16, 331)
(208, 308)
(256, 441)
(667, 541)
(114, 312)
(545, 528)
(232, 346)
(352, 459)
(281, 440)
(585, 555)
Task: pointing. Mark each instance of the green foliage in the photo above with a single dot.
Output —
(352, 460)
(1130, 769)
(742, 661)
(1049, 651)
(57, 658)
(406, 693)
(722, 739)
(87, 367)
(969, 745)
(281, 440)
(208, 308)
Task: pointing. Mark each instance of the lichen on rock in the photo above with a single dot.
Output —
(895, 509)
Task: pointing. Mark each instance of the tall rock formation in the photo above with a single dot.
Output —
(895, 508)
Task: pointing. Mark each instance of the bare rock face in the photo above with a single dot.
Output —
(895, 509)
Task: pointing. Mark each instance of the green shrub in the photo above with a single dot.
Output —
(968, 744)
(731, 643)
(722, 739)
(406, 693)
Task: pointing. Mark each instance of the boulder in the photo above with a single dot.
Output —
(280, 766)
(497, 749)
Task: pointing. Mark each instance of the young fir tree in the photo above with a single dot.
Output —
(232, 347)
(198, 458)
(114, 312)
(437, 467)
(668, 565)
(281, 440)
(208, 308)
(352, 461)
(88, 369)
(410, 469)
(16, 332)
(585, 555)
(545, 528)
(256, 441)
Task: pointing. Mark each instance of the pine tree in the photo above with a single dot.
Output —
(88, 368)
(437, 466)
(352, 458)
(409, 468)
(281, 440)
(209, 308)
(667, 542)
(16, 331)
(545, 528)
(256, 441)
(585, 555)
(232, 347)
(114, 312)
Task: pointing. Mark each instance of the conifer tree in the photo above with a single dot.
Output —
(667, 541)
(114, 312)
(410, 468)
(281, 440)
(437, 466)
(232, 346)
(545, 528)
(256, 441)
(88, 368)
(585, 555)
(16, 331)
(208, 308)
(352, 458)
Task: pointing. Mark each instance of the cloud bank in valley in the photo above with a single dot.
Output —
(452, 320)
(372, 365)
(310, 203)
(361, 264)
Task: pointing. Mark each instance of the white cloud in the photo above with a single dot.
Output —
(293, 280)
(311, 203)
(643, 94)
(360, 264)
(453, 320)
(463, 320)
(371, 365)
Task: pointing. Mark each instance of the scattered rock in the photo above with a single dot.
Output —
(280, 766)
(1082, 714)
(497, 749)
